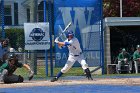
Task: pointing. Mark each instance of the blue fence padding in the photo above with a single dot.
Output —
(86, 21)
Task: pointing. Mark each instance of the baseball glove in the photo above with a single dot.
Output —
(31, 75)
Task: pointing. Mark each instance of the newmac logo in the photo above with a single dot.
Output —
(37, 34)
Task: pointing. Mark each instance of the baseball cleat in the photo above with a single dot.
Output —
(54, 79)
(89, 77)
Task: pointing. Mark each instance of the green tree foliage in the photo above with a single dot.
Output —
(16, 37)
(131, 8)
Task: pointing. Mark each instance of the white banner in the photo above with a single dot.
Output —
(37, 36)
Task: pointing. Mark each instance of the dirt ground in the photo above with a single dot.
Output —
(105, 81)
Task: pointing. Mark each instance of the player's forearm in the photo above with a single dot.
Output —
(31, 73)
(61, 43)
(27, 67)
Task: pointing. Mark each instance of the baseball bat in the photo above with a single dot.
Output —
(69, 24)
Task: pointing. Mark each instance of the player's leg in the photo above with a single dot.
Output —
(136, 66)
(67, 66)
(84, 65)
(119, 66)
(13, 79)
(130, 66)
(3, 74)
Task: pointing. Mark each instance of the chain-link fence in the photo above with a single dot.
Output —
(13, 15)
(18, 12)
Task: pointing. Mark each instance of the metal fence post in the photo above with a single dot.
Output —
(50, 26)
(102, 38)
(46, 54)
(34, 5)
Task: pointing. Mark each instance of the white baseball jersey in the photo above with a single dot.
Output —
(75, 54)
(73, 46)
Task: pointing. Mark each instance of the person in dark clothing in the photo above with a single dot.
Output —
(8, 68)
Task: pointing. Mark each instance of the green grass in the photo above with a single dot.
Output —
(75, 71)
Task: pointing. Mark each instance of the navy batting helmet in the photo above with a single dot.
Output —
(69, 33)
(12, 56)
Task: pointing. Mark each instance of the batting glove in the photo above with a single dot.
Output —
(56, 40)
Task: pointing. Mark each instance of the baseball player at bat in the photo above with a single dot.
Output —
(8, 68)
(75, 54)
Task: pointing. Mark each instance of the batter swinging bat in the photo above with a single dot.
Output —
(69, 24)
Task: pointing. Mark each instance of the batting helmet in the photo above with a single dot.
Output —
(69, 33)
(12, 56)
